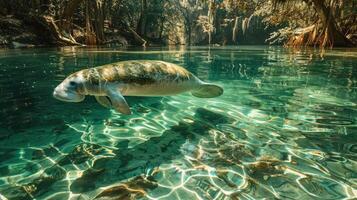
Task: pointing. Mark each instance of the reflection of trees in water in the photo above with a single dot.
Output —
(18, 106)
(26, 88)
(318, 99)
(229, 65)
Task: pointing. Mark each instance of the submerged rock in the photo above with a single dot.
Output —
(211, 117)
(132, 189)
(39, 185)
(45, 152)
(265, 167)
(16, 193)
(81, 153)
(56, 172)
(87, 181)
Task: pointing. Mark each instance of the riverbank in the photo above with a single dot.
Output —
(18, 32)
(15, 32)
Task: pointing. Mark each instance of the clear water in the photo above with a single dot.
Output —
(285, 128)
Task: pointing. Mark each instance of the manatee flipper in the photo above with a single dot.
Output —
(118, 102)
(104, 101)
(207, 90)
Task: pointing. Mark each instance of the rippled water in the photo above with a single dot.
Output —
(285, 128)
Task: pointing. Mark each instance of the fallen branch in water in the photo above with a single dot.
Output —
(137, 37)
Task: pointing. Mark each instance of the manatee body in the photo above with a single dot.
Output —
(109, 83)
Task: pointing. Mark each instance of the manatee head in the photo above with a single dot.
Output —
(71, 89)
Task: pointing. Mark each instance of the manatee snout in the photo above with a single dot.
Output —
(65, 94)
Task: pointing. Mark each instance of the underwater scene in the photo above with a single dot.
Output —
(284, 128)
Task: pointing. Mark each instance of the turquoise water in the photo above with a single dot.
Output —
(285, 128)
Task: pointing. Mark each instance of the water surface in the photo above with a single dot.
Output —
(285, 128)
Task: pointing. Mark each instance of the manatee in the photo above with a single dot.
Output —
(109, 83)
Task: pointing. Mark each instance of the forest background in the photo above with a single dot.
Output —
(319, 23)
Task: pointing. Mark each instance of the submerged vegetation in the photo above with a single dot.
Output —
(323, 23)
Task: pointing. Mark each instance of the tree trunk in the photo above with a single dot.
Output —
(89, 35)
(161, 29)
(332, 34)
(235, 30)
(211, 13)
(67, 15)
(141, 27)
(188, 33)
(99, 21)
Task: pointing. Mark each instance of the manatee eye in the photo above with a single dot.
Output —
(72, 83)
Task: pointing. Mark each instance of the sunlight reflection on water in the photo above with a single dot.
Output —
(284, 128)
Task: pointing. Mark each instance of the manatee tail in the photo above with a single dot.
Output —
(207, 90)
